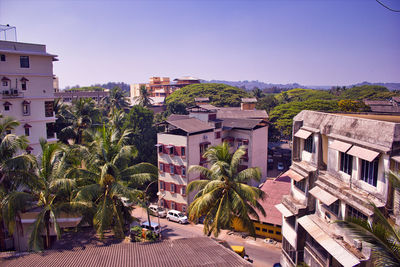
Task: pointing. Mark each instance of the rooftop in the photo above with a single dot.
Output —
(380, 132)
(242, 123)
(237, 113)
(274, 191)
(190, 125)
(201, 251)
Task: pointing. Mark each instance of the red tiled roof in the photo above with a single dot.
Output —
(201, 251)
(274, 191)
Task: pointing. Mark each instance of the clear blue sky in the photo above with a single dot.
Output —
(323, 42)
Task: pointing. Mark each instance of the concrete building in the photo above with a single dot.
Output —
(27, 93)
(69, 96)
(339, 166)
(161, 87)
(187, 137)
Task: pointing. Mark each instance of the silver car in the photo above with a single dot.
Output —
(158, 211)
(177, 216)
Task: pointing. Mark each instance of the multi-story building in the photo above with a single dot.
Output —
(161, 87)
(339, 166)
(187, 137)
(26, 90)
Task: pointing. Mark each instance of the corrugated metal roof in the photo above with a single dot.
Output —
(191, 125)
(343, 256)
(201, 251)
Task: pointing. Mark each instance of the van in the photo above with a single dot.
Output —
(177, 216)
(157, 211)
(155, 227)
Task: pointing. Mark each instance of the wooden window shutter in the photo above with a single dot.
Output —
(178, 150)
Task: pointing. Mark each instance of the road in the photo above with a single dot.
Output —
(262, 254)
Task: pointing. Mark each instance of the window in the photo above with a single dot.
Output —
(161, 166)
(183, 151)
(6, 107)
(23, 85)
(183, 208)
(2, 57)
(217, 135)
(183, 190)
(24, 61)
(264, 230)
(26, 108)
(8, 131)
(334, 207)
(4, 83)
(27, 131)
(355, 213)
(308, 144)
(160, 148)
(183, 171)
(369, 171)
(218, 125)
(301, 185)
(50, 130)
(346, 163)
(270, 231)
(162, 185)
(172, 205)
(203, 148)
(171, 169)
(316, 248)
(172, 189)
(49, 108)
(290, 251)
(257, 228)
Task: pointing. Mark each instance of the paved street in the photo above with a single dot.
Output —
(262, 254)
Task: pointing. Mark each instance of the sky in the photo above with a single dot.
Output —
(311, 42)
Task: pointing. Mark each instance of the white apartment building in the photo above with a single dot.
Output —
(340, 164)
(27, 91)
(187, 137)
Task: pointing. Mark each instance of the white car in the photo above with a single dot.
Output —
(155, 227)
(177, 216)
(158, 211)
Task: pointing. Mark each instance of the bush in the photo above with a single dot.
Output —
(151, 236)
(136, 233)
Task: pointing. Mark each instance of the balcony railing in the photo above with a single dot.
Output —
(12, 93)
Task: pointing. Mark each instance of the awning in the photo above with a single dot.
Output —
(322, 195)
(26, 125)
(205, 143)
(285, 211)
(157, 145)
(303, 134)
(396, 158)
(23, 79)
(29, 148)
(7, 103)
(340, 146)
(25, 102)
(363, 153)
(169, 146)
(343, 256)
(294, 175)
(5, 79)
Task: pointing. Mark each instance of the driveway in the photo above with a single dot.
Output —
(261, 253)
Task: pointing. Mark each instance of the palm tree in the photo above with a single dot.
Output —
(48, 189)
(225, 194)
(383, 236)
(75, 119)
(144, 99)
(110, 178)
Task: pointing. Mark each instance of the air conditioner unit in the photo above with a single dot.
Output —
(205, 137)
(15, 92)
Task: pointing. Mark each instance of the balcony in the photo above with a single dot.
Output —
(12, 93)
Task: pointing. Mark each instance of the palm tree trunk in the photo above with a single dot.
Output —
(47, 222)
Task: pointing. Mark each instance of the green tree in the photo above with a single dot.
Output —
(352, 106)
(225, 194)
(144, 99)
(117, 99)
(257, 93)
(48, 188)
(110, 179)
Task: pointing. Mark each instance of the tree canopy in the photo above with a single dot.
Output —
(220, 95)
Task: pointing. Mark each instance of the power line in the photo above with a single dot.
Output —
(385, 6)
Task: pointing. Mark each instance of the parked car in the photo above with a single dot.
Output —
(280, 166)
(177, 216)
(158, 211)
(155, 227)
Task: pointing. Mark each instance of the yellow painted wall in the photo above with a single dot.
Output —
(262, 229)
